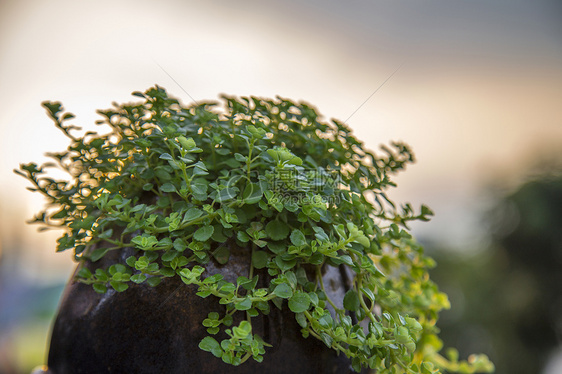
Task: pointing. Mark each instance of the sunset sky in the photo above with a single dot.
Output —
(477, 93)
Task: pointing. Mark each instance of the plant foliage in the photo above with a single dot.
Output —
(175, 182)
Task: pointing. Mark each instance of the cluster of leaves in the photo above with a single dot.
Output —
(177, 183)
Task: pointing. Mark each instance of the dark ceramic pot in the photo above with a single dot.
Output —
(157, 330)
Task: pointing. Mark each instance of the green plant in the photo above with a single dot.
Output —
(176, 182)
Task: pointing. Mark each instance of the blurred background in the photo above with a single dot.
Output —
(475, 87)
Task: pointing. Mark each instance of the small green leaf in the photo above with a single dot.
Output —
(426, 211)
(285, 265)
(138, 278)
(179, 245)
(98, 253)
(131, 260)
(192, 214)
(260, 259)
(327, 339)
(218, 236)
(226, 194)
(351, 301)
(295, 161)
(252, 193)
(84, 273)
(243, 330)
(167, 187)
(240, 157)
(301, 319)
(117, 268)
(208, 344)
(187, 143)
(162, 174)
(277, 247)
(99, 288)
(402, 335)
(292, 278)
(243, 237)
(178, 262)
(167, 272)
(320, 234)
(283, 291)
(277, 230)
(347, 260)
(203, 233)
(213, 279)
(413, 324)
(299, 302)
(363, 240)
(246, 283)
(101, 275)
(145, 242)
(141, 263)
(154, 281)
(203, 294)
(222, 254)
(244, 304)
(297, 238)
(369, 293)
(199, 188)
(169, 256)
(118, 286)
(201, 165)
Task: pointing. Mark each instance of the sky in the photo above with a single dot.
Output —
(473, 86)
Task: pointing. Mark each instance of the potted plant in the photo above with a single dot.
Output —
(249, 235)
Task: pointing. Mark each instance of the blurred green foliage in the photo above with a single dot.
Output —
(507, 299)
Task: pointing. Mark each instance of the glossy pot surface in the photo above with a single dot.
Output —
(157, 329)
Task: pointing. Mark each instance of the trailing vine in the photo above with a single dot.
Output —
(175, 182)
